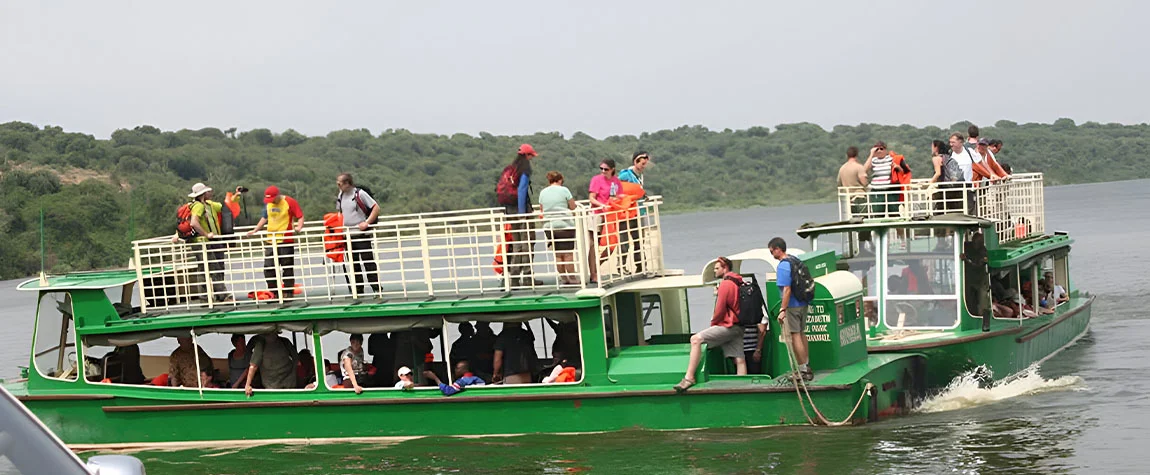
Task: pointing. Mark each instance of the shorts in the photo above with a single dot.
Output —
(796, 318)
(561, 239)
(730, 339)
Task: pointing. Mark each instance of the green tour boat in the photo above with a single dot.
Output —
(594, 326)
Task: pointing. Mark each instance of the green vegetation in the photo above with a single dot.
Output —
(88, 188)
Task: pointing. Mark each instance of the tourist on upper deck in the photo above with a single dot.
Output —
(604, 186)
(631, 227)
(405, 379)
(946, 171)
(182, 371)
(724, 332)
(884, 190)
(972, 137)
(352, 364)
(965, 157)
(995, 147)
(793, 310)
(483, 349)
(519, 250)
(206, 220)
(238, 360)
(852, 177)
(559, 225)
(463, 378)
(275, 359)
(515, 356)
(989, 169)
(359, 212)
(279, 213)
(462, 348)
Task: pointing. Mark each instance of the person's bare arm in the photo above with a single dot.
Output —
(497, 364)
(571, 204)
(351, 374)
(195, 222)
(937, 162)
(259, 226)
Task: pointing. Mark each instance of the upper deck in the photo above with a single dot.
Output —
(423, 256)
(1014, 206)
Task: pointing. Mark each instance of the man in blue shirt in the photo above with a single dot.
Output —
(463, 378)
(792, 310)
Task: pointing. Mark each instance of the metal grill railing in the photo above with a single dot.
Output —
(1015, 205)
(405, 256)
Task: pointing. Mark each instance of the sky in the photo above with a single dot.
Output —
(602, 68)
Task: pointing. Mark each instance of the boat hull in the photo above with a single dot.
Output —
(1008, 349)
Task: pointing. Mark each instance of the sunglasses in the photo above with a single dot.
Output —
(605, 169)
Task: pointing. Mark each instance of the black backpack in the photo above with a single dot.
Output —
(802, 284)
(752, 307)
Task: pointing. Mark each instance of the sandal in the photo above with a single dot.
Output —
(684, 385)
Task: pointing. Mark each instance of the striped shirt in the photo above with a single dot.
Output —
(880, 170)
(750, 338)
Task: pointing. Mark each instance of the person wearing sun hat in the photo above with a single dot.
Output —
(282, 215)
(206, 220)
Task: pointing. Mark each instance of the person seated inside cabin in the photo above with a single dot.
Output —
(382, 351)
(352, 364)
(123, 365)
(238, 361)
(483, 350)
(412, 347)
(461, 348)
(275, 359)
(463, 378)
(406, 380)
(1057, 292)
(566, 344)
(305, 370)
(1038, 307)
(331, 377)
(514, 355)
(182, 371)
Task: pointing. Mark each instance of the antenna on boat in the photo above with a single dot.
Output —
(43, 276)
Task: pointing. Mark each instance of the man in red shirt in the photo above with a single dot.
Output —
(724, 331)
(282, 215)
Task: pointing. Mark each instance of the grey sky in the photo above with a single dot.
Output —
(603, 68)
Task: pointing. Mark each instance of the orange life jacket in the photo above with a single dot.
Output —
(334, 240)
(897, 176)
(566, 375)
(497, 262)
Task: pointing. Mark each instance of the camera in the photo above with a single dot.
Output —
(242, 189)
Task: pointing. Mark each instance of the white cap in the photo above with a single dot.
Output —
(403, 370)
(198, 189)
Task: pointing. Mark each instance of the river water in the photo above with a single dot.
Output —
(1084, 410)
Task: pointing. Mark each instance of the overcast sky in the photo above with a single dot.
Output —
(604, 68)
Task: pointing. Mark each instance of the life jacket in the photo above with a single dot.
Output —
(619, 208)
(635, 192)
(566, 375)
(897, 176)
(334, 240)
(497, 262)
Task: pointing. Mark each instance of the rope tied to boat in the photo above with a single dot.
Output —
(800, 383)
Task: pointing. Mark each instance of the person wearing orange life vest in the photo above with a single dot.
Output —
(280, 212)
(631, 227)
(206, 221)
(603, 187)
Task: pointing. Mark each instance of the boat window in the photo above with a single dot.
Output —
(55, 340)
(609, 325)
(1061, 266)
(528, 350)
(863, 266)
(384, 353)
(921, 289)
(652, 308)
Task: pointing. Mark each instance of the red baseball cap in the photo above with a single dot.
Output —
(271, 194)
(527, 149)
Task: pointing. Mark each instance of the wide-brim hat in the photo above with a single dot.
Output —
(199, 189)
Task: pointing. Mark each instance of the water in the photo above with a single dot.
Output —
(1084, 410)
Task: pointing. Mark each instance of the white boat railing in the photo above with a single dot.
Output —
(1014, 205)
(425, 255)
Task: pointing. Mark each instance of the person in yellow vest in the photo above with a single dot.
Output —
(206, 221)
(279, 215)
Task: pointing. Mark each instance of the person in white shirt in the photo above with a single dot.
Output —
(964, 156)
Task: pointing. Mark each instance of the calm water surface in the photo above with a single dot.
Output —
(1097, 424)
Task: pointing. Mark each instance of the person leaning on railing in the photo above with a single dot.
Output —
(853, 181)
(559, 225)
(631, 227)
(207, 222)
(279, 213)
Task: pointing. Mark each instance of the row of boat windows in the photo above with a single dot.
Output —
(532, 352)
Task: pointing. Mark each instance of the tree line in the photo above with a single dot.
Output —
(97, 194)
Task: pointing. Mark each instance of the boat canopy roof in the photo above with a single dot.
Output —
(942, 220)
(81, 280)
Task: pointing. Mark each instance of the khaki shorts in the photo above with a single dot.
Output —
(730, 339)
(796, 318)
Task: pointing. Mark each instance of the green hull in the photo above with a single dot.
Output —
(136, 416)
(1007, 349)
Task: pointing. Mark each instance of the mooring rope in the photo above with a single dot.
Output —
(799, 382)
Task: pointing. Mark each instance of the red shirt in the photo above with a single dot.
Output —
(727, 304)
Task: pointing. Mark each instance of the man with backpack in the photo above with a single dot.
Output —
(725, 331)
(200, 221)
(359, 212)
(796, 292)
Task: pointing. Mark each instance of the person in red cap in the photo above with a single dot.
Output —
(279, 214)
(514, 192)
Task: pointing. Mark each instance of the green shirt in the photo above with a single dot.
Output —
(209, 217)
(276, 362)
(554, 201)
